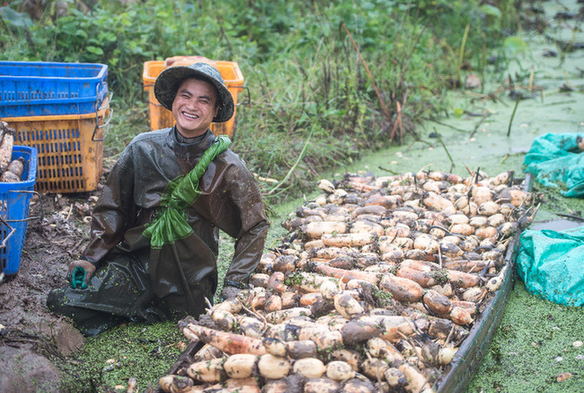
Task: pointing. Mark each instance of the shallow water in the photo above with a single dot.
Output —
(474, 143)
(512, 364)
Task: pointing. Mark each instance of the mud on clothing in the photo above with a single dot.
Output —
(132, 281)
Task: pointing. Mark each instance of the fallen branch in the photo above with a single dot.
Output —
(476, 128)
(571, 216)
(388, 170)
(398, 123)
(452, 164)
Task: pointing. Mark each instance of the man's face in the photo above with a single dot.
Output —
(194, 107)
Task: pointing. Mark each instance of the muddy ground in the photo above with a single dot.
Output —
(30, 333)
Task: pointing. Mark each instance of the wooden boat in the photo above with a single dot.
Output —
(474, 348)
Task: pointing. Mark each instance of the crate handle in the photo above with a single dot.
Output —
(41, 217)
(107, 97)
(104, 125)
(12, 230)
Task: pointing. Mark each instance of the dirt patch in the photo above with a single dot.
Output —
(51, 243)
(23, 371)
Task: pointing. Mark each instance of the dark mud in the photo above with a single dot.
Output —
(23, 371)
(32, 338)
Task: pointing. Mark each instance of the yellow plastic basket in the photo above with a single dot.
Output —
(70, 148)
(161, 117)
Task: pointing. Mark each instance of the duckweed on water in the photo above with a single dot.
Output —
(144, 352)
(532, 346)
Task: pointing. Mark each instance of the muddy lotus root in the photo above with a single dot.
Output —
(375, 288)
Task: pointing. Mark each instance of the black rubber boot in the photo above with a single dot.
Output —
(89, 322)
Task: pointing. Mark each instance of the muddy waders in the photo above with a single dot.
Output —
(163, 204)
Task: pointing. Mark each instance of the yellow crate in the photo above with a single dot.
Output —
(161, 117)
(70, 148)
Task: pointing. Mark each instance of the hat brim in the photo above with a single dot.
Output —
(170, 79)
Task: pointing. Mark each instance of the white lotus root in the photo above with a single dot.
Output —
(370, 267)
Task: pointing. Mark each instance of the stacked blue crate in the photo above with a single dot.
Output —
(38, 94)
(43, 88)
(14, 208)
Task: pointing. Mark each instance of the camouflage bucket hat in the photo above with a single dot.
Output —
(170, 79)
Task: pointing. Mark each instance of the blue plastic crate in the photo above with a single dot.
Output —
(41, 88)
(14, 204)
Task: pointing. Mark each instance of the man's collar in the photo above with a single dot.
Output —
(206, 138)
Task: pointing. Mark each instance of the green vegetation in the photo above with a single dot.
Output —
(303, 73)
(553, 203)
(142, 352)
(441, 276)
(294, 279)
(533, 345)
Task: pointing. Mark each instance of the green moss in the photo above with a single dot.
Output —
(145, 352)
(326, 354)
(382, 298)
(441, 276)
(532, 346)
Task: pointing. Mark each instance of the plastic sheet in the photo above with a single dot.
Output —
(556, 162)
(551, 263)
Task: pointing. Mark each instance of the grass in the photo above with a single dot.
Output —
(303, 75)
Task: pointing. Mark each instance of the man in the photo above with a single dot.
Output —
(139, 267)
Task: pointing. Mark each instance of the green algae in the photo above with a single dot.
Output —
(144, 352)
(533, 345)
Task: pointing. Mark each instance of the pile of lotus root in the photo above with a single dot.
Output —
(374, 289)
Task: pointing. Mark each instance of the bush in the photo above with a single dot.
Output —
(303, 72)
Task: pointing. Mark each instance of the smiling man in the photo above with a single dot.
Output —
(194, 107)
(139, 267)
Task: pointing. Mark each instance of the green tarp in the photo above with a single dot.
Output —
(551, 264)
(556, 162)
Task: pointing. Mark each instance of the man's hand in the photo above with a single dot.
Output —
(87, 266)
(229, 292)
